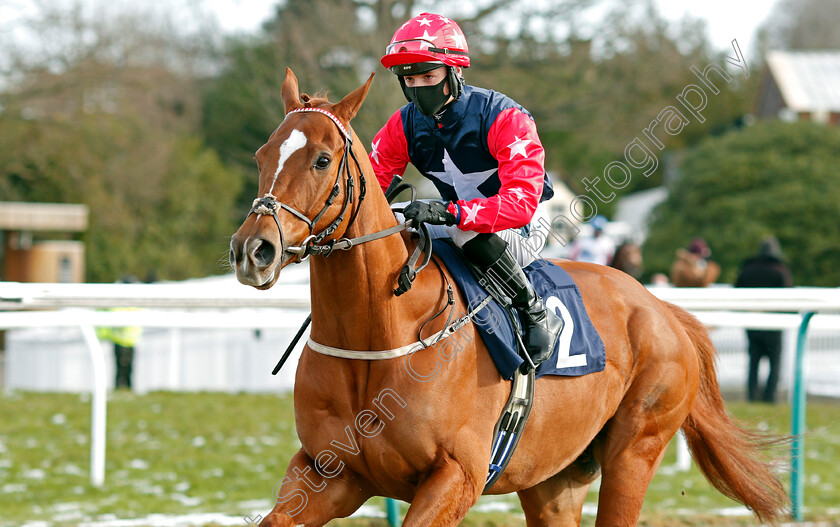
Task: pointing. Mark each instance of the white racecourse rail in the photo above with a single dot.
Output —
(223, 303)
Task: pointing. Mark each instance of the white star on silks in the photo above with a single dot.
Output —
(444, 19)
(427, 36)
(518, 147)
(458, 39)
(472, 212)
(375, 150)
(519, 193)
(466, 185)
(425, 22)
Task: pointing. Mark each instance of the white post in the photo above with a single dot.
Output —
(683, 454)
(174, 358)
(98, 407)
(788, 363)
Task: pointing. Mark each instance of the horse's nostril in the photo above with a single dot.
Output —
(264, 254)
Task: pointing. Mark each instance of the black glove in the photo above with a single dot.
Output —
(433, 212)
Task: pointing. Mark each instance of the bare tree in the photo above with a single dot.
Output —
(101, 106)
(801, 25)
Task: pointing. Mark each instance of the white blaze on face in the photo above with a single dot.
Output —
(292, 144)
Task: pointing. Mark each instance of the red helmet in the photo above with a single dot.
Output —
(426, 40)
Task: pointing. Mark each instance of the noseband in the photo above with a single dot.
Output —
(268, 205)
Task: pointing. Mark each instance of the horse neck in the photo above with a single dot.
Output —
(353, 305)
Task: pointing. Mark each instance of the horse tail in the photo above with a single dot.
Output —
(729, 456)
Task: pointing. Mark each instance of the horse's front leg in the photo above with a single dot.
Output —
(305, 497)
(444, 498)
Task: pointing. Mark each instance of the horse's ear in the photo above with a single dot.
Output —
(347, 107)
(289, 92)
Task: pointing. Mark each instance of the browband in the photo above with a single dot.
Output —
(328, 114)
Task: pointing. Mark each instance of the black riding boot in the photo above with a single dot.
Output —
(541, 326)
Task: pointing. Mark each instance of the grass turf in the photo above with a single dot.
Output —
(196, 453)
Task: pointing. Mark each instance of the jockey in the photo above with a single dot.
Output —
(482, 152)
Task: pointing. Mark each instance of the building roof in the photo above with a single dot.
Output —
(18, 216)
(808, 80)
(634, 209)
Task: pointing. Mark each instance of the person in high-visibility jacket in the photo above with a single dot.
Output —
(124, 339)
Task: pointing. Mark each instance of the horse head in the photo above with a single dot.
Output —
(306, 185)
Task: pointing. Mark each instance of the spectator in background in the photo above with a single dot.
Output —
(659, 280)
(692, 267)
(765, 269)
(598, 248)
(628, 258)
(124, 339)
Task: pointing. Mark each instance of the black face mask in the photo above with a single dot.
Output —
(428, 99)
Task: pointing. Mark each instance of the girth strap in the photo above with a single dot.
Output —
(402, 350)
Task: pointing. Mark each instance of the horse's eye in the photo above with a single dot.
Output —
(322, 162)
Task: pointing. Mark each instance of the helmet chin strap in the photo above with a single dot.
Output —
(456, 83)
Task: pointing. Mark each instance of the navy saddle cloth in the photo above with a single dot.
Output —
(580, 348)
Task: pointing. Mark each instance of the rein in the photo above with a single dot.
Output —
(268, 205)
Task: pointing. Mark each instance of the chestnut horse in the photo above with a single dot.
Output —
(418, 428)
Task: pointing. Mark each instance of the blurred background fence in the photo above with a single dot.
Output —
(214, 334)
(236, 360)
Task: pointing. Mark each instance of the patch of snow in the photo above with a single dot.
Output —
(494, 506)
(182, 486)
(71, 469)
(139, 464)
(368, 511)
(189, 501)
(35, 473)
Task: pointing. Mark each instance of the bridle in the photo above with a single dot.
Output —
(268, 205)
